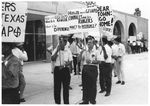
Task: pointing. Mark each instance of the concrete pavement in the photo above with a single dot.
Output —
(39, 88)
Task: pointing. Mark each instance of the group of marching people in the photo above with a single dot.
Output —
(93, 59)
(137, 46)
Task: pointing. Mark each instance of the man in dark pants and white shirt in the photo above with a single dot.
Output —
(62, 58)
(90, 59)
(107, 68)
(103, 56)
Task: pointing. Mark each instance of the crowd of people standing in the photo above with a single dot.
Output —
(137, 46)
(93, 59)
(87, 57)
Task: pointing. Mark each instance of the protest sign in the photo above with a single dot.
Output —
(50, 25)
(105, 17)
(78, 20)
(62, 24)
(132, 38)
(139, 36)
(83, 20)
(14, 16)
(57, 24)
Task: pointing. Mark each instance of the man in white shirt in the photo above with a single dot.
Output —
(134, 47)
(114, 53)
(90, 59)
(138, 46)
(62, 58)
(19, 52)
(102, 52)
(107, 67)
(119, 62)
(75, 53)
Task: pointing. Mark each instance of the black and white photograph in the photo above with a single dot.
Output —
(75, 52)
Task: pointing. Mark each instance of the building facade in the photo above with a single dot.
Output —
(36, 41)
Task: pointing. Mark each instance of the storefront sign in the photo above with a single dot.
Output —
(14, 16)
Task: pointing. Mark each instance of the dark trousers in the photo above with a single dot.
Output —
(10, 96)
(89, 78)
(108, 76)
(75, 63)
(101, 76)
(61, 76)
(22, 84)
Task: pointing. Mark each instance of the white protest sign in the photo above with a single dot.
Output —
(139, 36)
(57, 24)
(50, 25)
(83, 20)
(132, 38)
(105, 17)
(14, 16)
(62, 24)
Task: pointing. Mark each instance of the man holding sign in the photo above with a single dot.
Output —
(14, 16)
(90, 59)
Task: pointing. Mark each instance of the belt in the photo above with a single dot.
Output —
(107, 63)
(9, 88)
(59, 66)
(102, 61)
(90, 64)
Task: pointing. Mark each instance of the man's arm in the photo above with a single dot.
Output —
(23, 55)
(54, 56)
(70, 59)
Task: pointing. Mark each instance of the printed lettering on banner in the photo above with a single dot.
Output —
(83, 20)
(50, 25)
(57, 24)
(14, 16)
(105, 17)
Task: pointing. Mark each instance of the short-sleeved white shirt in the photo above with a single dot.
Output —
(109, 54)
(22, 55)
(101, 53)
(75, 49)
(63, 57)
(121, 50)
(114, 51)
(92, 55)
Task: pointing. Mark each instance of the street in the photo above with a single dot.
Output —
(39, 87)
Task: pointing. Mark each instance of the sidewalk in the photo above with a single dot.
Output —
(39, 88)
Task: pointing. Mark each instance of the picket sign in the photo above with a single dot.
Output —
(83, 20)
(14, 15)
(77, 20)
